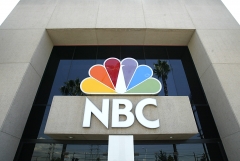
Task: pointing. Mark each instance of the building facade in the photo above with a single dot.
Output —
(35, 29)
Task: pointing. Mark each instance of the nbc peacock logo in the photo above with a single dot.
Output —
(117, 77)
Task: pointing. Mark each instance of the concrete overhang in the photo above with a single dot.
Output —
(120, 36)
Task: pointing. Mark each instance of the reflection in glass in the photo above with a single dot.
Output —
(47, 152)
(178, 75)
(163, 156)
(60, 77)
(184, 152)
(192, 152)
(41, 134)
(161, 69)
(79, 68)
(86, 152)
(171, 81)
(71, 88)
(153, 152)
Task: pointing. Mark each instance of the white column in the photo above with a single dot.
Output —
(120, 148)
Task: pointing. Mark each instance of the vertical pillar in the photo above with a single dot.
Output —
(120, 148)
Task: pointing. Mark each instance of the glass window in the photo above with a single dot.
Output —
(41, 134)
(60, 77)
(72, 63)
(86, 152)
(153, 152)
(189, 152)
(47, 152)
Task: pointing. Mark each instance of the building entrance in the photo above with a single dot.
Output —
(67, 66)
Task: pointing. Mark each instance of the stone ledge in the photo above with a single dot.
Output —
(174, 113)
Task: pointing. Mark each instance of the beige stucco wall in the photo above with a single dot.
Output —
(174, 114)
(30, 31)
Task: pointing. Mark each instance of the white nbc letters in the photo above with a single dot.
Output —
(139, 113)
(90, 108)
(116, 112)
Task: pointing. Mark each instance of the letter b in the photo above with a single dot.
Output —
(116, 112)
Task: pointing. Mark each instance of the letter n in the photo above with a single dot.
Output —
(90, 109)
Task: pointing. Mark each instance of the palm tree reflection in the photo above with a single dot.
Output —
(161, 70)
(71, 88)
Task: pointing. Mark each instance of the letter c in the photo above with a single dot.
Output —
(139, 113)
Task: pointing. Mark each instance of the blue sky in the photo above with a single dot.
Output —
(6, 7)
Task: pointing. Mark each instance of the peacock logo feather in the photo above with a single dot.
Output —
(124, 77)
